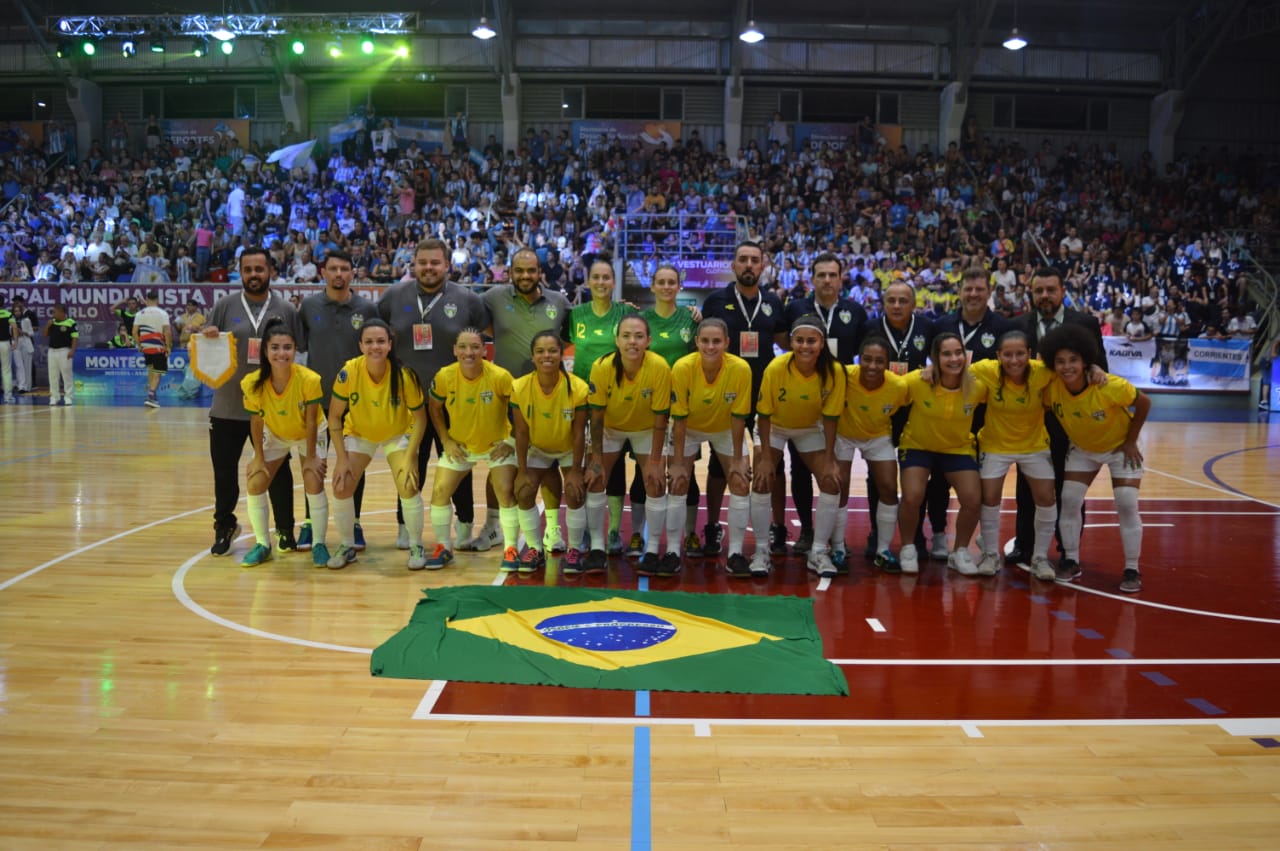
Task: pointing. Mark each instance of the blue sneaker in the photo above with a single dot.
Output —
(320, 555)
(440, 556)
(304, 536)
(888, 562)
(358, 546)
(840, 558)
(510, 560)
(259, 555)
(342, 556)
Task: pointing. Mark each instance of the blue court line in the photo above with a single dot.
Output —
(641, 803)
(1267, 743)
(35, 457)
(1062, 616)
(1091, 634)
(1213, 477)
(1119, 653)
(642, 704)
(1159, 678)
(1205, 706)
(1039, 598)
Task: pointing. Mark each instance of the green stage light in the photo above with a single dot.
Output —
(334, 49)
(88, 48)
(402, 50)
(298, 46)
(366, 46)
(227, 47)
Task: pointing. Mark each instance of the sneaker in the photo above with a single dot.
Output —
(888, 562)
(152, 401)
(938, 549)
(961, 562)
(648, 565)
(260, 554)
(304, 537)
(692, 545)
(490, 536)
(737, 566)
(402, 538)
(1068, 570)
(571, 564)
(1131, 582)
(908, 560)
(778, 539)
(462, 536)
(359, 545)
(440, 556)
(222, 538)
(319, 555)
(417, 557)
(342, 556)
(531, 558)
(712, 534)
(510, 560)
(10, 399)
(284, 541)
(1042, 569)
(760, 564)
(615, 542)
(989, 564)
(597, 561)
(804, 543)
(821, 564)
(670, 564)
(553, 540)
(840, 558)
(635, 547)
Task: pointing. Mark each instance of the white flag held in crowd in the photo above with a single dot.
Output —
(291, 155)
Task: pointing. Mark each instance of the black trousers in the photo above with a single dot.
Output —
(801, 487)
(464, 498)
(226, 443)
(1026, 523)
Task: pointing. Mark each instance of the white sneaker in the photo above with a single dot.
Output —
(489, 537)
(989, 564)
(760, 564)
(908, 559)
(938, 549)
(961, 562)
(1042, 569)
(821, 564)
(553, 540)
(402, 538)
(462, 536)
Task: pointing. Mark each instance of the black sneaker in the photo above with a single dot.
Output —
(1068, 570)
(711, 535)
(223, 536)
(737, 566)
(804, 543)
(670, 564)
(648, 565)
(285, 542)
(597, 561)
(1131, 582)
(778, 539)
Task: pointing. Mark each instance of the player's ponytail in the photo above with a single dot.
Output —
(275, 327)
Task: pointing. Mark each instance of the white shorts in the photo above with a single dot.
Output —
(641, 441)
(808, 439)
(873, 449)
(367, 447)
(1083, 461)
(540, 460)
(474, 458)
(721, 442)
(1033, 465)
(274, 448)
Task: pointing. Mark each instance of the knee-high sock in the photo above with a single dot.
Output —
(886, 523)
(344, 520)
(675, 522)
(1046, 520)
(595, 519)
(576, 521)
(440, 517)
(639, 518)
(318, 505)
(615, 513)
(509, 517)
(531, 525)
(989, 523)
(824, 520)
(258, 521)
(413, 509)
(658, 508)
(1070, 521)
(841, 529)
(761, 518)
(739, 513)
(1130, 525)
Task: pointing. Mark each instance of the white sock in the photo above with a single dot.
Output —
(1070, 521)
(739, 514)
(258, 521)
(344, 520)
(576, 520)
(596, 505)
(531, 526)
(989, 523)
(1046, 520)
(413, 509)
(509, 518)
(824, 521)
(440, 517)
(639, 518)
(659, 510)
(675, 522)
(318, 504)
(841, 529)
(886, 524)
(761, 517)
(1130, 525)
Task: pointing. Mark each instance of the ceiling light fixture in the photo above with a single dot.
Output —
(221, 33)
(1014, 41)
(751, 35)
(483, 31)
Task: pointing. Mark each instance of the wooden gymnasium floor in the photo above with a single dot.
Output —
(154, 697)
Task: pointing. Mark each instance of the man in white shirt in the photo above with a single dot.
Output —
(235, 208)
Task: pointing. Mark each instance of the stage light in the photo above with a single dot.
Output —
(334, 49)
(402, 50)
(128, 49)
(221, 33)
(200, 47)
(157, 44)
(366, 46)
(298, 46)
(63, 50)
(227, 47)
(88, 48)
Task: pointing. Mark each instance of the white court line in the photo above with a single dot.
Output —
(1033, 663)
(1211, 487)
(824, 583)
(702, 729)
(875, 625)
(971, 730)
(429, 699)
(1168, 607)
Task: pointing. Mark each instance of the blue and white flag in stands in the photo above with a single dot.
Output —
(339, 133)
(429, 133)
(291, 155)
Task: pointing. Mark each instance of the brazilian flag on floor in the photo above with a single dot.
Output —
(612, 639)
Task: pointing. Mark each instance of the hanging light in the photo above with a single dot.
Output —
(157, 44)
(298, 46)
(221, 33)
(334, 49)
(200, 47)
(1014, 41)
(227, 47)
(483, 31)
(128, 49)
(751, 35)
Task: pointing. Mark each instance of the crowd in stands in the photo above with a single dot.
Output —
(1142, 247)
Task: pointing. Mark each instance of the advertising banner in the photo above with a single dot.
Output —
(697, 274)
(651, 135)
(120, 376)
(181, 131)
(1179, 364)
(840, 136)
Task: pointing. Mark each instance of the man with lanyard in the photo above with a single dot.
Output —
(515, 313)
(8, 336)
(426, 315)
(843, 319)
(331, 321)
(24, 348)
(245, 315)
(910, 337)
(756, 322)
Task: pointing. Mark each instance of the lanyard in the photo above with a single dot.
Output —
(898, 348)
(423, 311)
(829, 318)
(965, 338)
(255, 321)
(743, 306)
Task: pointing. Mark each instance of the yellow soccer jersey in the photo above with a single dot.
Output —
(284, 414)
(710, 408)
(1096, 419)
(632, 404)
(941, 420)
(790, 400)
(477, 408)
(549, 415)
(370, 413)
(868, 413)
(1014, 424)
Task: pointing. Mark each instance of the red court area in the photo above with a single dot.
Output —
(1200, 641)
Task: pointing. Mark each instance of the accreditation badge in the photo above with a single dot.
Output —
(254, 357)
(749, 344)
(899, 367)
(422, 337)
